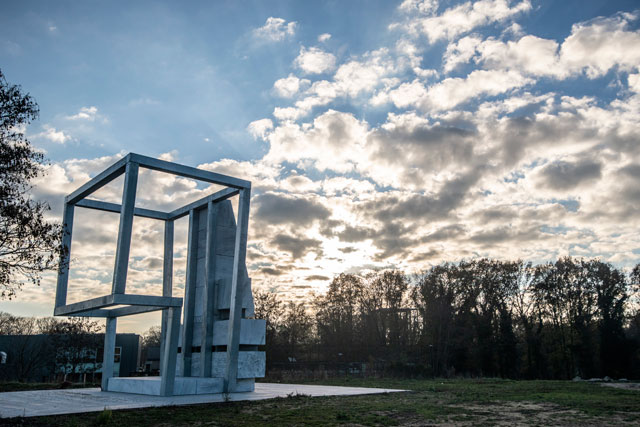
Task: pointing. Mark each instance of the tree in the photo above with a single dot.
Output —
(271, 309)
(152, 338)
(29, 244)
(77, 345)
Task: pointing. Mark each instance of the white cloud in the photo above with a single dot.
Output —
(408, 94)
(324, 37)
(600, 44)
(315, 61)
(85, 113)
(259, 128)
(460, 19)
(451, 92)
(460, 52)
(355, 77)
(333, 141)
(634, 82)
(530, 54)
(289, 86)
(53, 135)
(421, 6)
(275, 30)
(289, 113)
(593, 47)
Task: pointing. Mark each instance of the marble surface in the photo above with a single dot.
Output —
(151, 385)
(57, 402)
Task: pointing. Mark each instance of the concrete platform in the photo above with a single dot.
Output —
(57, 402)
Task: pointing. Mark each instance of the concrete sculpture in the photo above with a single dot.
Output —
(215, 349)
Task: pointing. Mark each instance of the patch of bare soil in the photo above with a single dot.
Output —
(528, 414)
(624, 386)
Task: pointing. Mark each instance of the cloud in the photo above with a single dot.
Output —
(634, 82)
(50, 133)
(426, 7)
(315, 277)
(260, 128)
(562, 175)
(457, 20)
(324, 37)
(600, 44)
(289, 86)
(460, 52)
(297, 246)
(315, 61)
(593, 47)
(275, 208)
(333, 141)
(85, 113)
(452, 91)
(275, 30)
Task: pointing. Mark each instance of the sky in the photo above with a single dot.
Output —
(376, 134)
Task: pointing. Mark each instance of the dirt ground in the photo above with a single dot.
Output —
(624, 386)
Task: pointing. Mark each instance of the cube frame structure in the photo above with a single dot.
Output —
(118, 303)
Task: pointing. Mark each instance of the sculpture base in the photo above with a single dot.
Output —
(182, 385)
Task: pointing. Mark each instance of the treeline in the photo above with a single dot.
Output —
(507, 319)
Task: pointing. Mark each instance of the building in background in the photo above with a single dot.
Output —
(42, 358)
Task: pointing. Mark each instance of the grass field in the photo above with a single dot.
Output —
(428, 402)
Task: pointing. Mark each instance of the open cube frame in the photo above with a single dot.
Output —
(118, 303)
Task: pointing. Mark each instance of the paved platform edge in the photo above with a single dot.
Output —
(83, 400)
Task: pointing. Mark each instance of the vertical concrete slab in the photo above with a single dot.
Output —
(63, 266)
(189, 294)
(109, 351)
(167, 284)
(170, 350)
(235, 310)
(208, 314)
(124, 231)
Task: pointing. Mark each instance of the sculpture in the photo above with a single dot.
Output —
(215, 349)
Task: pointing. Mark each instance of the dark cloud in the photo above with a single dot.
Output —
(501, 213)
(424, 256)
(392, 207)
(566, 176)
(630, 171)
(422, 149)
(151, 263)
(282, 209)
(355, 234)
(347, 250)
(270, 271)
(316, 277)
(297, 246)
(507, 234)
(515, 135)
(444, 233)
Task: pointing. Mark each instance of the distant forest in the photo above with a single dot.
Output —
(489, 318)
